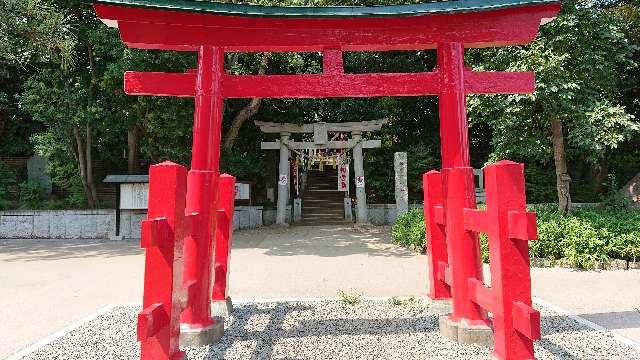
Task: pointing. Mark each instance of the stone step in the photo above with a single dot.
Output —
(323, 215)
(324, 222)
(310, 208)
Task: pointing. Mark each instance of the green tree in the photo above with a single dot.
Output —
(580, 60)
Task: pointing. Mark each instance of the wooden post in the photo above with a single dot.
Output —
(221, 303)
(467, 322)
(162, 236)
(197, 323)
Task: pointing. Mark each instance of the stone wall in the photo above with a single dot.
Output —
(130, 223)
(57, 224)
(95, 224)
(385, 214)
(247, 217)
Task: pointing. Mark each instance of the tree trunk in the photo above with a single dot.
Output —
(132, 150)
(247, 112)
(599, 174)
(562, 176)
(89, 166)
(82, 166)
(92, 196)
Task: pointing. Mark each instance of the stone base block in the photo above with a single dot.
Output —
(465, 334)
(179, 356)
(222, 308)
(448, 328)
(204, 336)
(440, 307)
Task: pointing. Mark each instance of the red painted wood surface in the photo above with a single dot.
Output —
(435, 241)
(333, 83)
(458, 185)
(463, 247)
(509, 259)
(509, 227)
(202, 187)
(224, 233)
(187, 31)
(163, 235)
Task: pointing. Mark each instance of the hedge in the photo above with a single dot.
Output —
(582, 237)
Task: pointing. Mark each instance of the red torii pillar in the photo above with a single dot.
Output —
(467, 322)
(197, 325)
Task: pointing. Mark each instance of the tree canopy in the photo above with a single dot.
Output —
(61, 96)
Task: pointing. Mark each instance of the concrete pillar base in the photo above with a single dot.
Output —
(465, 334)
(204, 336)
(440, 307)
(179, 356)
(222, 308)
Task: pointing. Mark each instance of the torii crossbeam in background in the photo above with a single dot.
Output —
(212, 29)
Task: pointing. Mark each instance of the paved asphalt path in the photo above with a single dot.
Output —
(46, 285)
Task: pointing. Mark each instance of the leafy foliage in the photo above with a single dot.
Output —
(583, 236)
(61, 68)
(409, 229)
(32, 195)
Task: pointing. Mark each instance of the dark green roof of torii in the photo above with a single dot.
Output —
(454, 6)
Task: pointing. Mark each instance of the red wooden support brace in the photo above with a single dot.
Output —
(162, 237)
(436, 245)
(516, 324)
(224, 231)
(463, 248)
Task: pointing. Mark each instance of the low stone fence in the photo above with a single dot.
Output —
(385, 214)
(57, 224)
(97, 224)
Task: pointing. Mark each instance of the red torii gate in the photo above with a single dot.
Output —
(212, 29)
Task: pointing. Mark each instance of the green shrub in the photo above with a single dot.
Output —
(586, 235)
(32, 195)
(8, 179)
(409, 229)
(581, 237)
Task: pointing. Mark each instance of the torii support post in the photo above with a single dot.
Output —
(163, 235)
(198, 327)
(221, 302)
(467, 322)
(509, 227)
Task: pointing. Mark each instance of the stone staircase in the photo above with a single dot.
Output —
(322, 203)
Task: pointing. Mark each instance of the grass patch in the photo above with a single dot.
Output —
(350, 297)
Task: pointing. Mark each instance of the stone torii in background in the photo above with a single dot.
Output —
(320, 132)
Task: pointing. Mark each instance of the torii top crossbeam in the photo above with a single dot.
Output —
(188, 25)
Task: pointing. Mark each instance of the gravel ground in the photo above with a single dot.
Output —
(330, 330)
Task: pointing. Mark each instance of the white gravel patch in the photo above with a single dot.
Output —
(330, 330)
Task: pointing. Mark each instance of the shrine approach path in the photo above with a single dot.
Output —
(47, 285)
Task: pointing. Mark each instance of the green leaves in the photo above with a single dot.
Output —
(582, 237)
(408, 230)
(35, 30)
(580, 60)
